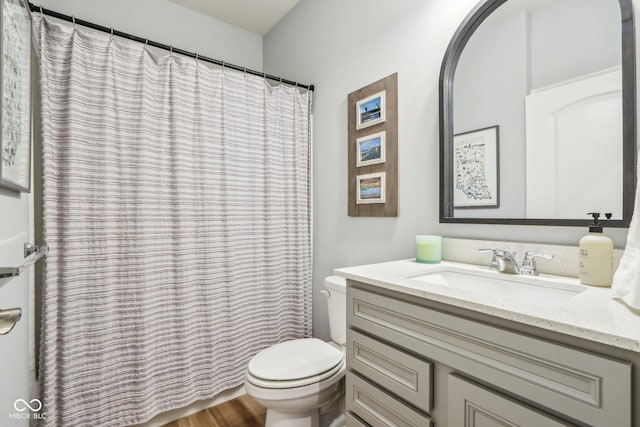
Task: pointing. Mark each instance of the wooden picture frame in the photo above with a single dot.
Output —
(15, 95)
(385, 162)
(476, 177)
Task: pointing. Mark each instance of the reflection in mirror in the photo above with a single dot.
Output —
(546, 78)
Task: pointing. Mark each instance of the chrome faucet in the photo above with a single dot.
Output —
(505, 262)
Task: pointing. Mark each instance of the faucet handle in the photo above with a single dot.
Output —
(529, 262)
(494, 265)
(529, 256)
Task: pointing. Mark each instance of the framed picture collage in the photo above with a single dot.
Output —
(373, 149)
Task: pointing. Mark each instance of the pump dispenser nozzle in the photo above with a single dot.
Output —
(595, 227)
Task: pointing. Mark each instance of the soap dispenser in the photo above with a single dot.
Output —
(596, 255)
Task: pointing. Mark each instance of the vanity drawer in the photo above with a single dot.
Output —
(590, 388)
(378, 408)
(353, 421)
(400, 373)
(472, 405)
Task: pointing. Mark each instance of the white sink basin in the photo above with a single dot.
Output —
(501, 286)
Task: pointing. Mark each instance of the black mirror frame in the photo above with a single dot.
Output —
(447, 72)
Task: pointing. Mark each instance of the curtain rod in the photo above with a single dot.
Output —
(224, 64)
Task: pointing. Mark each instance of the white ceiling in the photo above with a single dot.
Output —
(257, 16)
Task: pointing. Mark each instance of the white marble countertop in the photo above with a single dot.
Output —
(590, 314)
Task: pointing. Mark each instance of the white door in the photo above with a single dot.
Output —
(15, 357)
(574, 148)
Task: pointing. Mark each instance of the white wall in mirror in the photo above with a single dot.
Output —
(569, 131)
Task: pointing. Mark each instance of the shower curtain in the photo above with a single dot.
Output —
(177, 212)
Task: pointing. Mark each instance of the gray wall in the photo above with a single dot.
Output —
(571, 38)
(169, 23)
(341, 46)
(490, 85)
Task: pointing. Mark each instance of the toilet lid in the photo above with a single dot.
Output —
(295, 359)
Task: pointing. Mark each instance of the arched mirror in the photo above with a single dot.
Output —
(538, 114)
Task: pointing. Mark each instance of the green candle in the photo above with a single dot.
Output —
(428, 249)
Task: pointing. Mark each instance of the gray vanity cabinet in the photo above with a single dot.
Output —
(413, 362)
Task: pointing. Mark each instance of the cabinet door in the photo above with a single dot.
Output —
(471, 405)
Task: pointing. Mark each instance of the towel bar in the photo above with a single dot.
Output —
(8, 319)
(32, 254)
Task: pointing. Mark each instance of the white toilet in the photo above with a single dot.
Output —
(296, 380)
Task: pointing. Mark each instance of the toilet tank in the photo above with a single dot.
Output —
(336, 293)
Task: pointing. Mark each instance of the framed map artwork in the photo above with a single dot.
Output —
(15, 95)
(476, 180)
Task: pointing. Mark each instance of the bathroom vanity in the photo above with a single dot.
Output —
(426, 349)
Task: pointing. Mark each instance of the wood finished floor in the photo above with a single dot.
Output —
(240, 412)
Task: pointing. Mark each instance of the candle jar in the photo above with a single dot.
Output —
(428, 249)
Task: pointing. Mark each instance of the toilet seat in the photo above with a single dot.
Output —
(294, 363)
(269, 397)
(300, 382)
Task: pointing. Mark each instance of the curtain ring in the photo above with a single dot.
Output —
(170, 50)
(41, 12)
(146, 43)
(73, 19)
